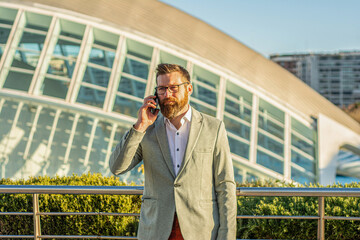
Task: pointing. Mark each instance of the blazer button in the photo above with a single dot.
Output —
(177, 185)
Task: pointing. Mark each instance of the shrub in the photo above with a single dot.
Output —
(296, 206)
(70, 225)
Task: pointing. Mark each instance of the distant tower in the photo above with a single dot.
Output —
(335, 76)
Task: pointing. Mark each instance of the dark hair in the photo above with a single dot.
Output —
(164, 68)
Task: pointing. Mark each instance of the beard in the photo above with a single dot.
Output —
(170, 107)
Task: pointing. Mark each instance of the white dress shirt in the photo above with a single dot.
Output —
(178, 139)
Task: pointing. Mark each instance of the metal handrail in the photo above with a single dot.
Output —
(35, 190)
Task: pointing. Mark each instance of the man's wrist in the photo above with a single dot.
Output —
(139, 127)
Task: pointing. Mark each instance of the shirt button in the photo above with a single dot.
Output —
(178, 165)
(177, 149)
(177, 185)
(177, 133)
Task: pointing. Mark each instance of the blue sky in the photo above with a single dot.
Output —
(282, 26)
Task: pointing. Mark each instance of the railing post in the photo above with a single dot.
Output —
(321, 221)
(37, 227)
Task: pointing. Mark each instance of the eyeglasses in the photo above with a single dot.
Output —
(173, 88)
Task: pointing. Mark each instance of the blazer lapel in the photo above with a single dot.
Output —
(195, 129)
(163, 143)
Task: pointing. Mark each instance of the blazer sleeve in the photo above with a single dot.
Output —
(225, 186)
(128, 152)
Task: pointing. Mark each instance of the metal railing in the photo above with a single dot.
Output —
(35, 190)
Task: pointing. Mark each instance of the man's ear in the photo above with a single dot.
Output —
(190, 88)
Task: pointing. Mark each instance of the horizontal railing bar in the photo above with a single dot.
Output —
(342, 218)
(138, 190)
(101, 190)
(85, 236)
(17, 213)
(298, 192)
(276, 217)
(16, 236)
(88, 213)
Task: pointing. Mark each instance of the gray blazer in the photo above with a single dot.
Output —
(203, 194)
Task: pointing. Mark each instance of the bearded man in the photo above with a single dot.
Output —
(189, 188)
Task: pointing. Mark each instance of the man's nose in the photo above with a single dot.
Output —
(167, 92)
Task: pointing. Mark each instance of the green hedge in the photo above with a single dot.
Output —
(127, 226)
(70, 225)
(297, 206)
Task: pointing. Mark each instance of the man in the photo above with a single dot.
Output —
(189, 188)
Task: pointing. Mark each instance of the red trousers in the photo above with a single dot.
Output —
(175, 232)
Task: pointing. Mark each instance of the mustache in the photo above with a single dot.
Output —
(169, 100)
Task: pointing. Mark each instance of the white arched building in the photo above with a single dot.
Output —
(73, 75)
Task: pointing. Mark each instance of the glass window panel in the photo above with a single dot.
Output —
(239, 148)
(132, 87)
(301, 177)
(18, 81)
(126, 106)
(238, 110)
(79, 144)
(63, 61)
(209, 78)
(307, 132)
(55, 88)
(302, 145)
(7, 116)
(42, 133)
(251, 177)
(91, 96)
(29, 50)
(271, 127)
(71, 29)
(270, 162)
(60, 142)
(271, 110)
(25, 59)
(37, 21)
(23, 128)
(7, 15)
(138, 49)
(119, 133)
(96, 76)
(136, 68)
(238, 175)
(100, 145)
(4, 34)
(235, 91)
(102, 57)
(61, 67)
(302, 161)
(270, 144)
(203, 109)
(105, 39)
(67, 48)
(237, 128)
(169, 58)
(205, 95)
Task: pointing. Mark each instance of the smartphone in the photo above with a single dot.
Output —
(153, 110)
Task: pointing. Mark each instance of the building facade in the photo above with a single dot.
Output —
(335, 76)
(73, 75)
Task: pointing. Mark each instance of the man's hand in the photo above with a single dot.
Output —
(145, 117)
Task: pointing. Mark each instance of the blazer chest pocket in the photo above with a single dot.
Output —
(203, 157)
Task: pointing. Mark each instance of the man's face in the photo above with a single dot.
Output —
(173, 104)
